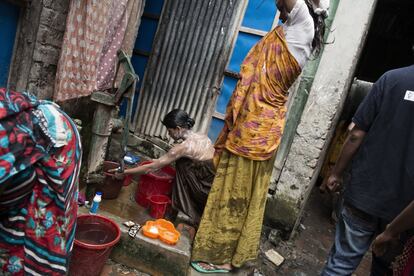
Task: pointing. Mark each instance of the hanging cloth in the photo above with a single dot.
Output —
(95, 31)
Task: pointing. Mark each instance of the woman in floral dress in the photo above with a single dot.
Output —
(229, 232)
(40, 156)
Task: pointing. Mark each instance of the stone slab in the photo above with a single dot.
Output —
(149, 255)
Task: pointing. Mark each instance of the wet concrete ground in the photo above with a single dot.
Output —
(304, 256)
(125, 206)
(114, 269)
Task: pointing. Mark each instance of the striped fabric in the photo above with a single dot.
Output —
(38, 186)
(17, 191)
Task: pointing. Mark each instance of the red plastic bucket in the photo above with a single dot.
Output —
(154, 183)
(127, 180)
(95, 237)
(158, 205)
(111, 186)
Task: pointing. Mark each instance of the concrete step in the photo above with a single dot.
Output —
(149, 255)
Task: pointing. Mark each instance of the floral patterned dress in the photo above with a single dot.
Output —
(231, 224)
(40, 156)
(255, 115)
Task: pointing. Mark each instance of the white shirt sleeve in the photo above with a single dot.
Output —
(299, 32)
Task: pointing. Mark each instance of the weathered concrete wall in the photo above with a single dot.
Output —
(298, 96)
(37, 50)
(323, 108)
(39, 40)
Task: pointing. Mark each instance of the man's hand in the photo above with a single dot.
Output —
(349, 149)
(333, 183)
(382, 243)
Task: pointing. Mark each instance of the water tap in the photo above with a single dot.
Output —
(121, 167)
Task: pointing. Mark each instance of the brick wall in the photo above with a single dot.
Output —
(38, 45)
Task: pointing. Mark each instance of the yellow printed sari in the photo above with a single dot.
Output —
(230, 227)
(255, 115)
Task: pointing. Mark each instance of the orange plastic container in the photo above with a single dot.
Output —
(170, 237)
(161, 229)
(164, 225)
(148, 228)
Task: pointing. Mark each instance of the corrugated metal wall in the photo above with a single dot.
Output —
(185, 70)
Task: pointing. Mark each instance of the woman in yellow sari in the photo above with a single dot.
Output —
(229, 232)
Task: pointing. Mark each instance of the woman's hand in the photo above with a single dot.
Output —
(382, 242)
(113, 170)
(117, 173)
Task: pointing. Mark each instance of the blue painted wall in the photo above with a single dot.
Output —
(145, 39)
(9, 17)
(259, 15)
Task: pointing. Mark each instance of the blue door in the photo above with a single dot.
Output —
(9, 17)
(145, 39)
(260, 17)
